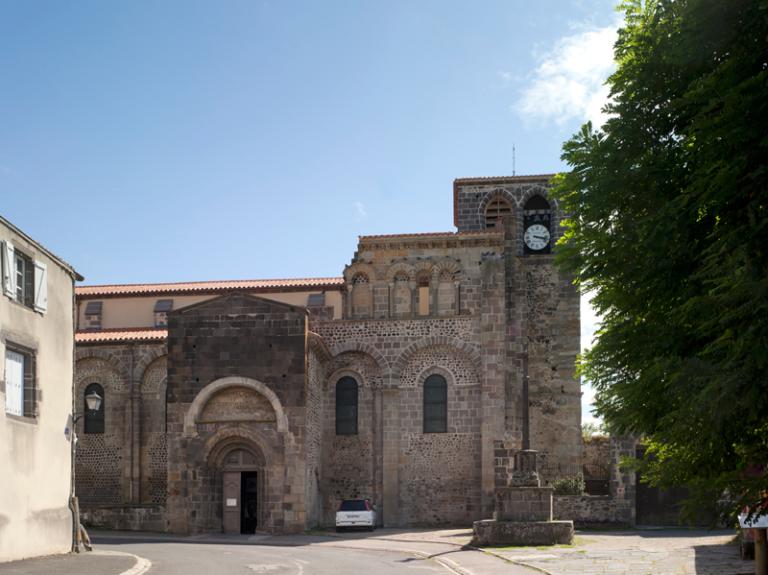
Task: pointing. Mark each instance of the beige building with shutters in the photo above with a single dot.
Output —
(37, 349)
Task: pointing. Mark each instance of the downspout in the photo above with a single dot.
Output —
(526, 405)
(72, 435)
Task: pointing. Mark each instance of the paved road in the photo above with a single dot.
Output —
(221, 559)
(304, 555)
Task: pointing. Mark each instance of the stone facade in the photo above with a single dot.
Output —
(247, 385)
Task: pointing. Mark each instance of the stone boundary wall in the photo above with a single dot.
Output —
(593, 510)
(125, 517)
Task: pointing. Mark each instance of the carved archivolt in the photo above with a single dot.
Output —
(400, 270)
(538, 191)
(448, 269)
(356, 269)
(237, 404)
(423, 269)
(97, 370)
(212, 389)
(356, 346)
(154, 377)
(498, 193)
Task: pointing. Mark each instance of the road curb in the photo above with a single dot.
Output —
(468, 547)
(508, 560)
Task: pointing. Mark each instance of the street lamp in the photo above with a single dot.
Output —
(79, 535)
(93, 401)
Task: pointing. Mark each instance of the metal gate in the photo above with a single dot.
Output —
(655, 506)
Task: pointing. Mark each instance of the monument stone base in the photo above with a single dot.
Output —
(493, 533)
(523, 513)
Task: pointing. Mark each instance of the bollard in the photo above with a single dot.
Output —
(761, 552)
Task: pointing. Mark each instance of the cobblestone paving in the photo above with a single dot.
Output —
(658, 552)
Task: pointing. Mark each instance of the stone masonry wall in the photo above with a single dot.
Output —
(593, 510)
(440, 472)
(552, 318)
(259, 343)
(125, 465)
(349, 459)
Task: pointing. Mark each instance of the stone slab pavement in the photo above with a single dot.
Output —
(85, 563)
(637, 552)
(632, 552)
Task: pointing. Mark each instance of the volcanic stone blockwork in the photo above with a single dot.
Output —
(244, 356)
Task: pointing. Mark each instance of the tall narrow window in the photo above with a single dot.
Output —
(497, 208)
(423, 294)
(94, 420)
(435, 404)
(346, 406)
(362, 296)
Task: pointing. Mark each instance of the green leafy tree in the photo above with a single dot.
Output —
(668, 227)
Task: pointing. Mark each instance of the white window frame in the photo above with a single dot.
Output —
(14, 369)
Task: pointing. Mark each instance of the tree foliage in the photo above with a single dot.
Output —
(668, 227)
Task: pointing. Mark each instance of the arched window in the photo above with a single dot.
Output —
(362, 296)
(346, 406)
(402, 295)
(497, 208)
(435, 404)
(423, 294)
(536, 202)
(94, 420)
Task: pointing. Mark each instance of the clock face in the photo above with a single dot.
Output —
(536, 237)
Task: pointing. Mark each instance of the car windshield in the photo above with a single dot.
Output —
(353, 505)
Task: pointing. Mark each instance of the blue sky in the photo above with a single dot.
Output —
(166, 141)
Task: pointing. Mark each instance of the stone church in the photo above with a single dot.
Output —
(243, 406)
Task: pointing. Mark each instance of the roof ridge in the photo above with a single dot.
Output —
(109, 330)
(201, 282)
(515, 177)
(424, 234)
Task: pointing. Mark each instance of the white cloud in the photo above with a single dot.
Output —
(505, 76)
(360, 207)
(568, 83)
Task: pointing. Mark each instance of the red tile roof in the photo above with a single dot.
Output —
(493, 179)
(428, 235)
(122, 335)
(296, 284)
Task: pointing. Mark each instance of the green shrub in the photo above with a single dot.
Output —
(569, 485)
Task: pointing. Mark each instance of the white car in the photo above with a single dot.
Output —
(356, 513)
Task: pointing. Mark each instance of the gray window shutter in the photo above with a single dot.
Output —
(41, 287)
(9, 271)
